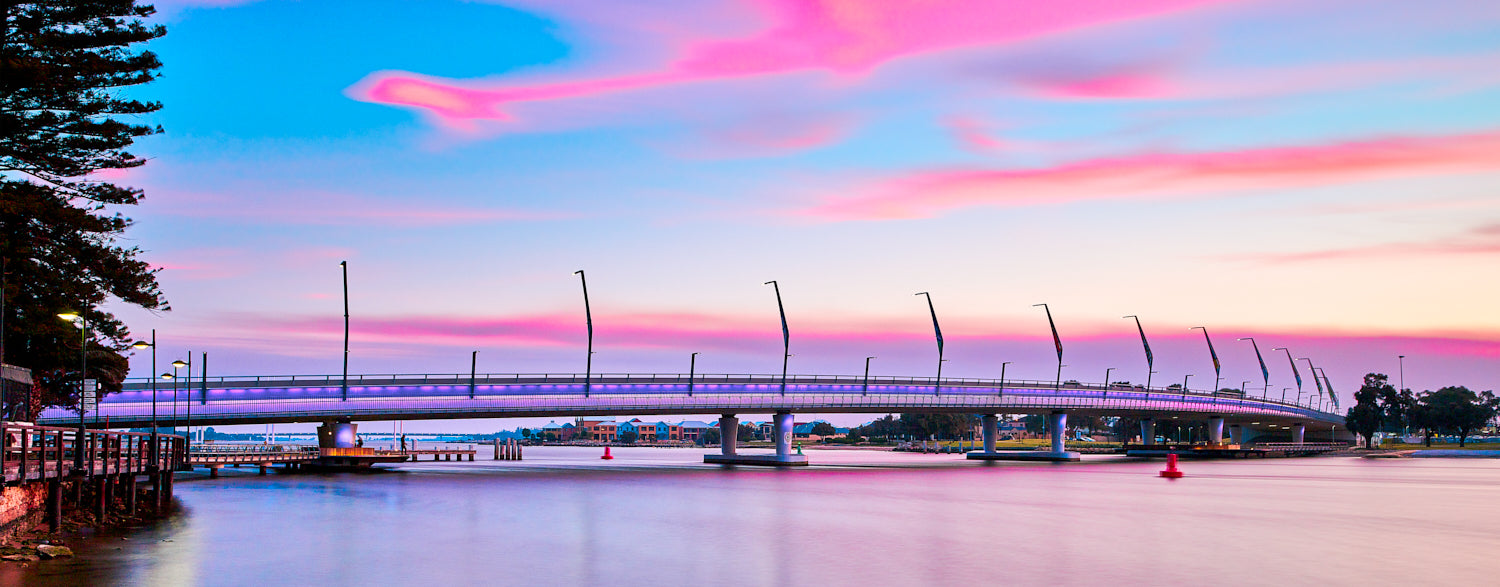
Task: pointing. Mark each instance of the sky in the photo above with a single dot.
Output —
(1319, 176)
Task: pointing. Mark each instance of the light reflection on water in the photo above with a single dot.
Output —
(858, 517)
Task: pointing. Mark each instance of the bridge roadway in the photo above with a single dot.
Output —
(258, 400)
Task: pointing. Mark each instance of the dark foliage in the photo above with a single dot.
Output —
(63, 119)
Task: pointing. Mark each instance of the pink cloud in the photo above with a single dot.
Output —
(335, 209)
(1484, 240)
(927, 194)
(843, 36)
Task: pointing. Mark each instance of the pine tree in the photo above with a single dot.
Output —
(63, 118)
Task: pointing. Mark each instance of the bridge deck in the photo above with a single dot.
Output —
(252, 400)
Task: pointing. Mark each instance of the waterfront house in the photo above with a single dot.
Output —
(692, 430)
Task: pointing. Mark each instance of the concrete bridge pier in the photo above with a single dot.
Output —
(1057, 423)
(991, 425)
(1236, 434)
(728, 455)
(729, 431)
(1216, 430)
(1148, 431)
(1299, 432)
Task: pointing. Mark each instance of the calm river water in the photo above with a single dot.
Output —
(661, 517)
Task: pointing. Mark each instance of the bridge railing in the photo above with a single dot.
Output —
(229, 449)
(605, 379)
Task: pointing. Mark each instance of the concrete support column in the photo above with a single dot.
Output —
(990, 424)
(131, 488)
(1148, 431)
(783, 427)
(1216, 430)
(1057, 424)
(54, 503)
(729, 434)
(1236, 434)
(1299, 430)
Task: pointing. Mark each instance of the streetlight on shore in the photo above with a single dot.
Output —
(1401, 360)
(141, 344)
(178, 364)
(83, 378)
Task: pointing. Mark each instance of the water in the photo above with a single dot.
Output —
(658, 516)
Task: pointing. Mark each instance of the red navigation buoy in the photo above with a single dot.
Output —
(607, 457)
(1171, 471)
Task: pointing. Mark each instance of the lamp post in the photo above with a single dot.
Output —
(1283, 393)
(937, 384)
(344, 381)
(692, 368)
(140, 344)
(1242, 386)
(1316, 380)
(1002, 378)
(178, 364)
(1264, 372)
(1145, 345)
(1296, 374)
(187, 390)
(473, 371)
(1184, 383)
(866, 389)
(83, 377)
(1106, 379)
(1211, 354)
(1056, 341)
(1401, 360)
(588, 319)
(786, 334)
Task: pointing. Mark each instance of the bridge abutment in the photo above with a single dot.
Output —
(1148, 431)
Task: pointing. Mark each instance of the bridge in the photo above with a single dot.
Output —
(330, 400)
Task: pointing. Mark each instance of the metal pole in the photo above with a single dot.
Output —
(937, 384)
(588, 318)
(786, 334)
(344, 386)
(692, 370)
(1211, 354)
(473, 366)
(1002, 378)
(188, 387)
(1056, 340)
(1150, 360)
(1402, 360)
(154, 425)
(83, 377)
(1184, 382)
(866, 390)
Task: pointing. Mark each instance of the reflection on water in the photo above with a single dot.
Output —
(659, 516)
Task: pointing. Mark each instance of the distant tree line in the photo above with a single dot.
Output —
(1456, 410)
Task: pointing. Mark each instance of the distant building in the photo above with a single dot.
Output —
(598, 430)
(693, 430)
